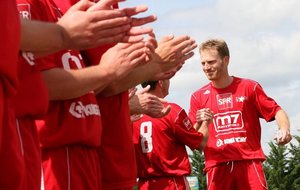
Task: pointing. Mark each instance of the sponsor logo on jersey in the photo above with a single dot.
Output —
(224, 101)
(228, 122)
(78, 110)
(24, 11)
(206, 92)
(220, 142)
(240, 99)
(187, 123)
(71, 61)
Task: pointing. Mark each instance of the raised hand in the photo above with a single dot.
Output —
(123, 58)
(171, 54)
(145, 103)
(283, 137)
(204, 114)
(93, 28)
(135, 32)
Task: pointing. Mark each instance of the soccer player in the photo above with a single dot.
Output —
(159, 143)
(120, 174)
(11, 159)
(233, 153)
(71, 129)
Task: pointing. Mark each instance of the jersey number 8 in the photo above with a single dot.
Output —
(146, 136)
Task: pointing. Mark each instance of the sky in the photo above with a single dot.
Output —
(263, 38)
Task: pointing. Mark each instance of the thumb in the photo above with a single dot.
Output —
(81, 5)
(162, 100)
(132, 92)
(144, 90)
(166, 110)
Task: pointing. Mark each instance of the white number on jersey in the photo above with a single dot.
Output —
(67, 58)
(146, 136)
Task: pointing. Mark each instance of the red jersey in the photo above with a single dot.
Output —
(10, 44)
(73, 121)
(160, 144)
(116, 154)
(32, 95)
(235, 133)
(117, 132)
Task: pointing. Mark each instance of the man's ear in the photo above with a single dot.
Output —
(226, 59)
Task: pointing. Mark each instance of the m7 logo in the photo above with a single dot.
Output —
(228, 122)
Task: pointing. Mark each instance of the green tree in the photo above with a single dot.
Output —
(294, 164)
(197, 164)
(282, 167)
(276, 167)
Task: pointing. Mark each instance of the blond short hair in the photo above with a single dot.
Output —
(217, 44)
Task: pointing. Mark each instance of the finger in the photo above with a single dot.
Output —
(166, 110)
(102, 40)
(135, 117)
(132, 39)
(189, 48)
(180, 39)
(139, 30)
(108, 14)
(104, 4)
(132, 92)
(152, 34)
(152, 40)
(187, 56)
(106, 22)
(143, 20)
(151, 44)
(144, 90)
(140, 60)
(133, 48)
(167, 75)
(82, 5)
(128, 47)
(106, 33)
(184, 44)
(166, 38)
(131, 11)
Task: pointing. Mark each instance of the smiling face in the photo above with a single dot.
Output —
(214, 67)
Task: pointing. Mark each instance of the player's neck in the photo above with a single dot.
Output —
(223, 82)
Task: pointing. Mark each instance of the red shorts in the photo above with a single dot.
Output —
(73, 167)
(246, 175)
(32, 154)
(12, 167)
(164, 183)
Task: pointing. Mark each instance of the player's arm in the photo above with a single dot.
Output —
(66, 84)
(204, 117)
(203, 128)
(168, 58)
(37, 36)
(92, 28)
(283, 123)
